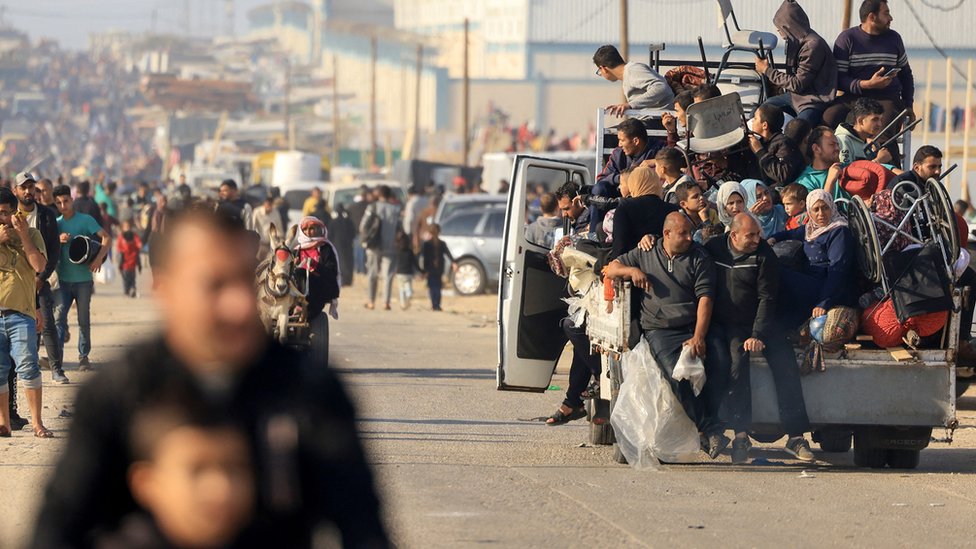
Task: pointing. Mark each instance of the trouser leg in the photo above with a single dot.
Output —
(783, 102)
(372, 272)
(83, 295)
(716, 382)
(12, 389)
(838, 110)
(64, 298)
(585, 365)
(666, 348)
(434, 286)
(789, 392)
(813, 116)
(388, 267)
(737, 408)
(52, 343)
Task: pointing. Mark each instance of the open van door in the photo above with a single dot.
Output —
(530, 295)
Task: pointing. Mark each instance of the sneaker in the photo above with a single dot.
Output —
(59, 377)
(83, 364)
(799, 448)
(740, 451)
(17, 423)
(716, 443)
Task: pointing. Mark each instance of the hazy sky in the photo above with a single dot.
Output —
(70, 21)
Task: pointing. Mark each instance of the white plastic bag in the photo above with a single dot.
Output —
(107, 274)
(648, 420)
(690, 368)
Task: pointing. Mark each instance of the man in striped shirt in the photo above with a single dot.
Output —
(872, 62)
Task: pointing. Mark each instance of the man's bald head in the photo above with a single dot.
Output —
(745, 233)
(675, 220)
(677, 233)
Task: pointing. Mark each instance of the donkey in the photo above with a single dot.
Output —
(278, 292)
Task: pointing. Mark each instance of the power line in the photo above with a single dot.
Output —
(931, 38)
(943, 8)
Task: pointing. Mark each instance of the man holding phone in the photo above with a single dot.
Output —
(872, 62)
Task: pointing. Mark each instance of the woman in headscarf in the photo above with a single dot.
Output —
(320, 257)
(772, 217)
(641, 214)
(828, 280)
(730, 201)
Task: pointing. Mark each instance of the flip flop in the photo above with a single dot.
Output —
(559, 418)
(43, 432)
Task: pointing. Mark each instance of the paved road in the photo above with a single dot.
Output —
(458, 469)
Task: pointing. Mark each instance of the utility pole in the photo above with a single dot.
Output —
(846, 22)
(467, 97)
(372, 103)
(416, 101)
(624, 36)
(335, 110)
(286, 107)
(624, 31)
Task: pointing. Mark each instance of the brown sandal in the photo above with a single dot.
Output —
(43, 432)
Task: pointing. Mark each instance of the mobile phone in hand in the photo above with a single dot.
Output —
(892, 72)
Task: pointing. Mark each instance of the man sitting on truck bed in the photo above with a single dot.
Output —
(678, 279)
(643, 87)
(633, 150)
(744, 316)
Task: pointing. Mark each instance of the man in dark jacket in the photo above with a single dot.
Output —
(744, 314)
(85, 204)
(45, 220)
(810, 80)
(310, 470)
(633, 150)
(779, 157)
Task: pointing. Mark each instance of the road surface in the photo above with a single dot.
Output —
(458, 468)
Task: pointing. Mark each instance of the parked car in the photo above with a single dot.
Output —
(453, 203)
(474, 238)
(334, 193)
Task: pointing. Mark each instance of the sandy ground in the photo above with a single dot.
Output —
(458, 467)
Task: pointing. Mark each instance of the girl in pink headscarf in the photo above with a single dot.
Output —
(320, 257)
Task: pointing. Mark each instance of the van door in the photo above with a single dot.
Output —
(530, 295)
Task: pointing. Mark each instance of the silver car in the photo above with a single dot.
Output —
(474, 238)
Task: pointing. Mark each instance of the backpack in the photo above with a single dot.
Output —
(370, 230)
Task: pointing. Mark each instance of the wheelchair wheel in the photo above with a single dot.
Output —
(943, 222)
(868, 248)
(904, 194)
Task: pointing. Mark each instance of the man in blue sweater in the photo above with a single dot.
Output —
(872, 62)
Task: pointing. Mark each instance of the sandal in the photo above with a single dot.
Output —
(369, 306)
(5, 431)
(559, 418)
(592, 391)
(43, 432)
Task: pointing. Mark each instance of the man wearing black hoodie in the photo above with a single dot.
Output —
(779, 157)
(810, 80)
(745, 308)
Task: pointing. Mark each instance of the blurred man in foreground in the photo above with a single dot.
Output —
(310, 470)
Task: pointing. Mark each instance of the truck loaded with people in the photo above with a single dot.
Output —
(760, 257)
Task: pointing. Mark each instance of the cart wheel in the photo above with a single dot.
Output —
(904, 195)
(903, 459)
(944, 223)
(868, 248)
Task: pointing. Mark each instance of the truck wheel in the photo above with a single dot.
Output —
(618, 456)
(838, 442)
(766, 438)
(961, 386)
(869, 457)
(903, 459)
(601, 434)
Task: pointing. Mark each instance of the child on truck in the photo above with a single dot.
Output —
(794, 198)
(693, 204)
